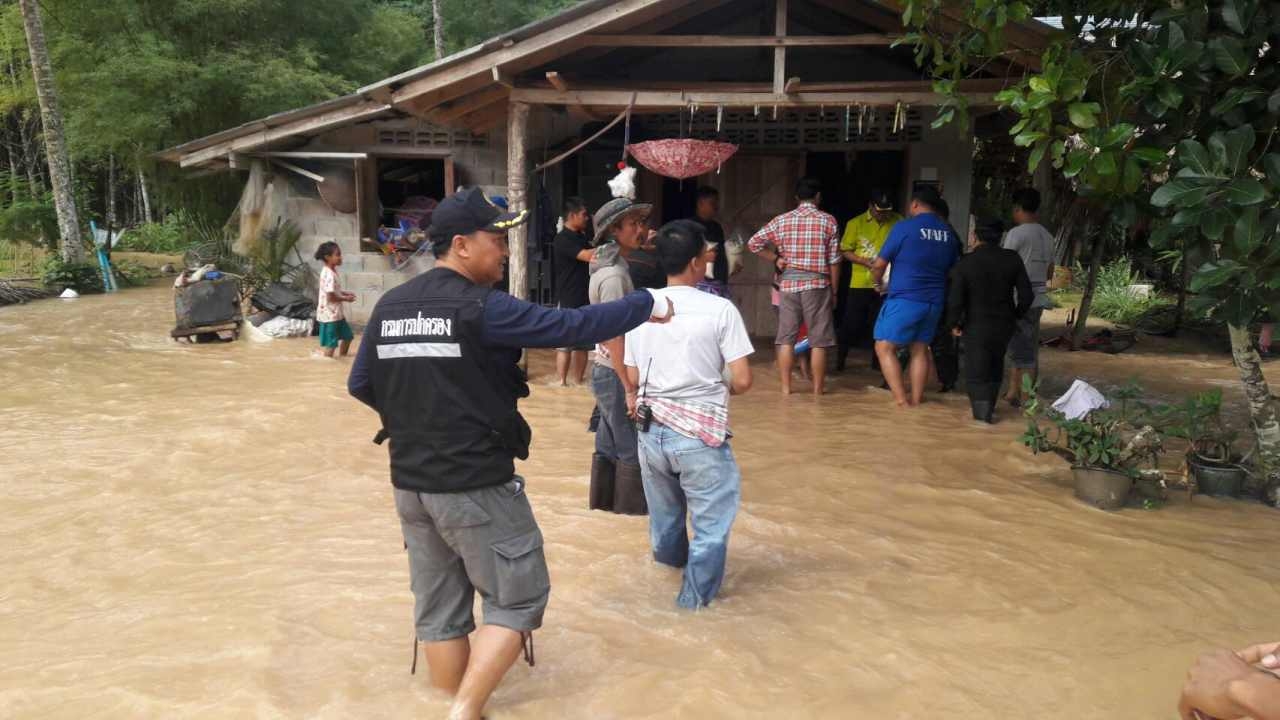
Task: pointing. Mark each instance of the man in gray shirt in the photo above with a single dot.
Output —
(1035, 245)
(616, 485)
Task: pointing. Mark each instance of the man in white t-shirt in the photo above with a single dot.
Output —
(685, 373)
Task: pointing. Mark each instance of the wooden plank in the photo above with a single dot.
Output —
(339, 116)
(502, 78)
(978, 85)
(737, 41)
(369, 151)
(482, 120)
(557, 81)
(304, 155)
(449, 175)
(528, 52)
(676, 99)
(780, 53)
(669, 19)
(301, 171)
(469, 104)
(517, 190)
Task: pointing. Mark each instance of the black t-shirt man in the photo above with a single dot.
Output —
(571, 273)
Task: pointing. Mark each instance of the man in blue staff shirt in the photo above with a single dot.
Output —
(439, 363)
(921, 250)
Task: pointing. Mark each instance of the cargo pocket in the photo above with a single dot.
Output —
(521, 569)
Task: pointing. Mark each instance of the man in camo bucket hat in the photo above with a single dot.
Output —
(621, 225)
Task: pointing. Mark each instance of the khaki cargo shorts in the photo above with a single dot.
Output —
(482, 540)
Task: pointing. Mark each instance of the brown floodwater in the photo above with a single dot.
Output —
(206, 531)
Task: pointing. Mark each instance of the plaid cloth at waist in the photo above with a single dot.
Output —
(808, 239)
(699, 421)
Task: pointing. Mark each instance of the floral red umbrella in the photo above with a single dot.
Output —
(682, 158)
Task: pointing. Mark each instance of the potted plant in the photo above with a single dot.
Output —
(1105, 450)
(1213, 465)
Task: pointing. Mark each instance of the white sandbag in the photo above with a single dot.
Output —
(624, 184)
(69, 294)
(283, 327)
(1079, 400)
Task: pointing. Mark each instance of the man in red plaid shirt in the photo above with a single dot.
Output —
(804, 245)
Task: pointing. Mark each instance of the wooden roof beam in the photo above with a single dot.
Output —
(737, 41)
(554, 42)
(468, 104)
(678, 99)
(557, 81)
(315, 123)
(780, 52)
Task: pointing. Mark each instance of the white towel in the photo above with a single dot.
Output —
(1079, 400)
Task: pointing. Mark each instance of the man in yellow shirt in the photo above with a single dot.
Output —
(863, 238)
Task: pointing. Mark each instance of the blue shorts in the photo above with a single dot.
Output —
(903, 322)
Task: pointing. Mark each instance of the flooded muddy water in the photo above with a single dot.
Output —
(196, 532)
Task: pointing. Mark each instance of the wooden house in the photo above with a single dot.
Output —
(801, 86)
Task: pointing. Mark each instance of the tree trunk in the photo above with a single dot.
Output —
(111, 190)
(1263, 411)
(71, 244)
(437, 29)
(146, 199)
(1182, 292)
(1086, 302)
(517, 193)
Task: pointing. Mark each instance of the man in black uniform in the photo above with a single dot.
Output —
(981, 309)
(439, 363)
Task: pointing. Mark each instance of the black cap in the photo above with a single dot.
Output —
(469, 211)
(881, 200)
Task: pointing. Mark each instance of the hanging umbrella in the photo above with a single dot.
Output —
(682, 158)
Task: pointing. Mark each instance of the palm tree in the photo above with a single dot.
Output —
(71, 245)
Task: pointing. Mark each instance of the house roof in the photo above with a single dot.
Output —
(456, 88)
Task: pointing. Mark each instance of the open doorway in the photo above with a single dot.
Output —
(848, 179)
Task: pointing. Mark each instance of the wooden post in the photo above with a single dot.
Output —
(517, 198)
(780, 52)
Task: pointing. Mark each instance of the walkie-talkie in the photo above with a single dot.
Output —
(644, 413)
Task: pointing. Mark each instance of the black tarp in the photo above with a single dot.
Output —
(281, 299)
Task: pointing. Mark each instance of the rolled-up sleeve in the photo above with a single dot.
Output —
(763, 236)
(516, 323)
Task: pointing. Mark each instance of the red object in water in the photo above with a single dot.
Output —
(682, 158)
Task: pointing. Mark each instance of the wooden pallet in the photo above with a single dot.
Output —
(189, 334)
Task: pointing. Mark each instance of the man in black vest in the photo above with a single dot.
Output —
(439, 363)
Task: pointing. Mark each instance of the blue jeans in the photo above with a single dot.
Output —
(681, 473)
(616, 433)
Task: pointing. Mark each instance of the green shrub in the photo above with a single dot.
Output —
(1112, 298)
(175, 234)
(58, 275)
(131, 273)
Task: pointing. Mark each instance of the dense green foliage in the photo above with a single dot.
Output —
(137, 76)
(58, 275)
(173, 235)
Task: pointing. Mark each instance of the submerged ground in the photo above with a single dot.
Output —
(208, 532)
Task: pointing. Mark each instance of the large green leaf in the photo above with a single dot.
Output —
(1248, 231)
(1271, 164)
(1214, 222)
(1082, 114)
(1037, 155)
(1150, 155)
(1188, 217)
(1230, 150)
(1117, 135)
(1215, 274)
(1028, 138)
(1177, 39)
(1237, 14)
(1195, 158)
(1182, 192)
(1245, 191)
(1076, 161)
(1273, 102)
(1169, 94)
(1133, 175)
(1041, 85)
(1229, 56)
(1235, 97)
(1104, 163)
